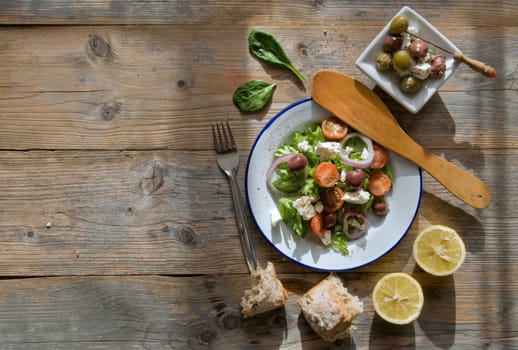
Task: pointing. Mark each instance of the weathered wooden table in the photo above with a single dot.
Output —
(117, 229)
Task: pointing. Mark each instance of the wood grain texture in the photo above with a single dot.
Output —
(169, 212)
(162, 312)
(116, 227)
(474, 13)
(130, 87)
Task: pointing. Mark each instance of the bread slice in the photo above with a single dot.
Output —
(267, 292)
(330, 309)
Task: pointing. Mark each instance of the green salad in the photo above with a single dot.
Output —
(327, 180)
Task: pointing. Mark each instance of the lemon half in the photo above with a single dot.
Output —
(398, 298)
(439, 250)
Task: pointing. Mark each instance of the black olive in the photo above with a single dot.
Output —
(297, 162)
(355, 177)
(330, 221)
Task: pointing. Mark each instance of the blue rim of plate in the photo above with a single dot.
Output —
(298, 262)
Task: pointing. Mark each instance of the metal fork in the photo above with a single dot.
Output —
(227, 158)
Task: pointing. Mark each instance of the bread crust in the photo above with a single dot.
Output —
(267, 292)
(330, 309)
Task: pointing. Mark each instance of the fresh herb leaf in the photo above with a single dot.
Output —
(254, 95)
(266, 47)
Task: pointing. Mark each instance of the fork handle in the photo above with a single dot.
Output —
(242, 223)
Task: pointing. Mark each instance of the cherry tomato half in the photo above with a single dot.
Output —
(334, 129)
(317, 225)
(379, 184)
(326, 174)
(380, 156)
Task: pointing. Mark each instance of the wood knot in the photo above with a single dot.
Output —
(303, 49)
(99, 47)
(229, 322)
(229, 319)
(154, 178)
(110, 110)
(185, 235)
(317, 4)
(206, 336)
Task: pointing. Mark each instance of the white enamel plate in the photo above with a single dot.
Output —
(384, 233)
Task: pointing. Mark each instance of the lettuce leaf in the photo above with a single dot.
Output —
(289, 181)
(339, 242)
(291, 217)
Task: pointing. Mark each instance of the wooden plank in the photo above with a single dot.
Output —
(116, 212)
(202, 12)
(168, 212)
(162, 312)
(134, 87)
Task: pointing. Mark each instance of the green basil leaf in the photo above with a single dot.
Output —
(254, 95)
(266, 47)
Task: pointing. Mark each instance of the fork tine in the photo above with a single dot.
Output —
(215, 139)
(224, 137)
(232, 141)
(221, 147)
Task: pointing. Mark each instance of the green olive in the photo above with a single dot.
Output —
(399, 25)
(410, 84)
(401, 61)
(383, 61)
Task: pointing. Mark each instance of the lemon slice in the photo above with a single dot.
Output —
(439, 250)
(398, 298)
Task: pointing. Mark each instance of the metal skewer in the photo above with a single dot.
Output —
(478, 66)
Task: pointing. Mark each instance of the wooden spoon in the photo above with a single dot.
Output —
(363, 110)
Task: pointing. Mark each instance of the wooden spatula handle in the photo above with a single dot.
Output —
(459, 182)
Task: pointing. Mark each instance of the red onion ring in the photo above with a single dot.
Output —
(356, 233)
(357, 163)
(282, 159)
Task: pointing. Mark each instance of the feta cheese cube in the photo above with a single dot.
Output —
(305, 208)
(421, 71)
(356, 197)
(275, 217)
(304, 146)
(327, 150)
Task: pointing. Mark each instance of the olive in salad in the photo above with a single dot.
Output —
(327, 180)
(409, 57)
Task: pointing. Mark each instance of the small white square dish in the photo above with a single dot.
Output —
(389, 80)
